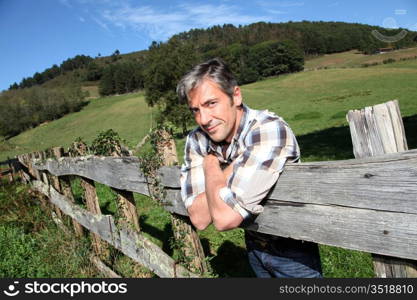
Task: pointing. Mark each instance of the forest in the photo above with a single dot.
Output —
(253, 52)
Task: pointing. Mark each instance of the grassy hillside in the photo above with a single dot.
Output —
(127, 114)
(355, 58)
(314, 103)
(309, 101)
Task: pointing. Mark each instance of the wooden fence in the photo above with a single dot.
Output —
(11, 168)
(367, 204)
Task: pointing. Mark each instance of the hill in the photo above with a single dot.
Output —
(311, 102)
(355, 58)
(314, 103)
(128, 115)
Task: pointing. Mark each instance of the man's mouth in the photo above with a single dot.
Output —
(212, 128)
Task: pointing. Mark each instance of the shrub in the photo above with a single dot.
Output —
(388, 61)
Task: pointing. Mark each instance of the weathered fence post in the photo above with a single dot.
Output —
(51, 179)
(64, 184)
(126, 204)
(375, 131)
(184, 233)
(22, 174)
(11, 168)
(93, 206)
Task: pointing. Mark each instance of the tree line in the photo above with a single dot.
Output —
(77, 62)
(24, 109)
(313, 38)
(253, 52)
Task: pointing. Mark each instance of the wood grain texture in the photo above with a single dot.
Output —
(367, 204)
(130, 242)
(385, 182)
(118, 172)
(381, 131)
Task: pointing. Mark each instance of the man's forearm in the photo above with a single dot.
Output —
(199, 212)
(223, 216)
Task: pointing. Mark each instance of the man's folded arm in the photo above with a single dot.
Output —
(199, 212)
(223, 216)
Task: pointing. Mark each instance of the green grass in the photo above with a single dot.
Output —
(355, 58)
(127, 114)
(313, 103)
(31, 245)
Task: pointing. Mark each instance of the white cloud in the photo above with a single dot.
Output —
(101, 24)
(66, 3)
(160, 24)
(81, 19)
(280, 3)
(400, 11)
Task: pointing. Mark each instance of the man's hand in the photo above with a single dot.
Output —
(222, 215)
(209, 161)
(201, 211)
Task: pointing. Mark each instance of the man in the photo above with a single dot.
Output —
(231, 162)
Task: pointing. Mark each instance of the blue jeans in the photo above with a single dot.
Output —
(284, 258)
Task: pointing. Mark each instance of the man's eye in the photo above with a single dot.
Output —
(212, 103)
(194, 110)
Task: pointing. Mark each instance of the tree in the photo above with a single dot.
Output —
(94, 72)
(273, 58)
(165, 64)
(106, 86)
(14, 86)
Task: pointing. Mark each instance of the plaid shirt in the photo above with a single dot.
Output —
(259, 150)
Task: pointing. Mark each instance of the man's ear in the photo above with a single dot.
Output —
(237, 96)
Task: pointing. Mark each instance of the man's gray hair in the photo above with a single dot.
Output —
(214, 69)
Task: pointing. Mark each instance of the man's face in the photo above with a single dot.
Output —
(214, 111)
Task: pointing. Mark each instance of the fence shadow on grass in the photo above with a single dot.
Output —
(410, 125)
(231, 261)
(335, 143)
(329, 144)
(161, 235)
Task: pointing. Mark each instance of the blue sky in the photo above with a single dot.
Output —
(35, 34)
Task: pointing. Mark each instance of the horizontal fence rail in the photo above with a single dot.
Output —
(130, 242)
(365, 204)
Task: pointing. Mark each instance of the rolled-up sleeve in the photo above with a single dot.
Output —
(258, 167)
(192, 172)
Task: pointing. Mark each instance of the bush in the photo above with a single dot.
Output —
(388, 61)
(25, 108)
(31, 245)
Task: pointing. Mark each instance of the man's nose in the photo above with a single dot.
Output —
(205, 117)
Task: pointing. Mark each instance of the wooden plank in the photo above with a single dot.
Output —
(382, 184)
(101, 169)
(105, 270)
(377, 231)
(131, 243)
(386, 182)
(372, 231)
(384, 121)
(351, 210)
